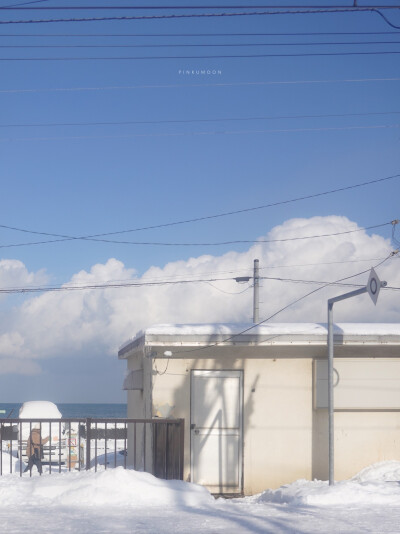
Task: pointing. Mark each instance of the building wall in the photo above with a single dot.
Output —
(277, 415)
(285, 435)
(139, 407)
(278, 425)
(366, 418)
(364, 438)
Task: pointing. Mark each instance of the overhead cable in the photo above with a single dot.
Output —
(146, 7)
(203, 133)
(187, 121)
(222, 56)
(244, 331)
(186, 85)
(194, 34)
(276, 11)
(220, 243)
(24, 4)
(200, 45)
(140, 284)
(207, 217)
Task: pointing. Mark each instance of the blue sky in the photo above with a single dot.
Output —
(80, 179)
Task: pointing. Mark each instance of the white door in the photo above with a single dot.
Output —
(216, 430)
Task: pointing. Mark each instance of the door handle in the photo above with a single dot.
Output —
(192, 426)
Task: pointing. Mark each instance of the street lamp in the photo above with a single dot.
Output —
(373, 286)
(256, 286)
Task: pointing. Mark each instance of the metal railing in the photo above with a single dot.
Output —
(152, 445)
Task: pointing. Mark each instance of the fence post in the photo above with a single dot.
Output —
(88, 423)
(182, 448)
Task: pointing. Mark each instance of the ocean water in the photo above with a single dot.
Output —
(71, 411)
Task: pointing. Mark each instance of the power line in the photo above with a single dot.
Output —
(283, 309)
(222, 56)
(187, 121)
(104, 286)
(202, 133)
(194, 276)
(201, 45)
(136, 284)
(23, 4)
(294, 11)
(184, 86)
(319, 263)
(221, 243)
(325, 283)
(208, 217)
(247, 270)
(193, 7)
(220, 34)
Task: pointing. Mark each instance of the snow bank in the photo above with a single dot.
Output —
(113, 487)
(377, 484)
(379, 472)
(10, 464)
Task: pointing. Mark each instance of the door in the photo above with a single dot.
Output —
(216, 430)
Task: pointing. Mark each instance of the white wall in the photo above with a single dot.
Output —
(277, 414)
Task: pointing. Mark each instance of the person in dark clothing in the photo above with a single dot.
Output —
(34, 450)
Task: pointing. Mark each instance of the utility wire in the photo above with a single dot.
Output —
(207, 217)
(220, 34)
(202, 133)
(222, 56)
(200, 45)
(194, 277)
(233, 242)
(313, 282)
(146, 7)
(391, 24)
(188, 121)
(184, 86)
(284, 308)
(23, 4)
(104, 286)
(136, 284)
(247, 270)
(228, 292)
(294, 11)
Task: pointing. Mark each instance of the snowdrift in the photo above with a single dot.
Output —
(377, 484)
(113, 487)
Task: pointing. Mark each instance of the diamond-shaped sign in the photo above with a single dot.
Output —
(373, 286)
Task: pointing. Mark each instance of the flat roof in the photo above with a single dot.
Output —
(265, 334)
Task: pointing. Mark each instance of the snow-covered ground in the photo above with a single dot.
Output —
(127, 501)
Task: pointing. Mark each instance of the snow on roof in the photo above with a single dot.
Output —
(360, 329)
(248, 330)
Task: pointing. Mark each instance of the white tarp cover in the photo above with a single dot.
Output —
(39, 410)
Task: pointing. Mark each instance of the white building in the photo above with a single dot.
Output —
(254, 400)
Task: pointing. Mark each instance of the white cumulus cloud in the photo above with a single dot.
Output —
(95, 322)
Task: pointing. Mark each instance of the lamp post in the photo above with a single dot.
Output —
(256, 287)
(373, 287)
